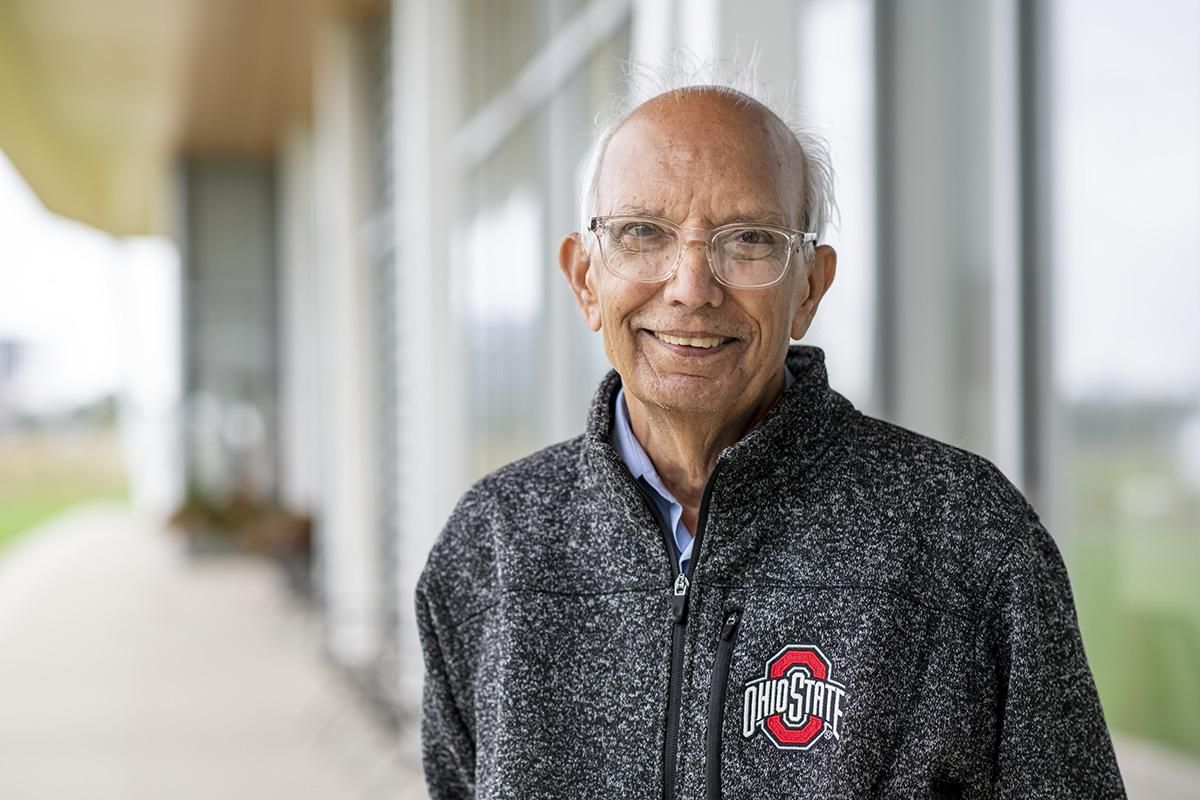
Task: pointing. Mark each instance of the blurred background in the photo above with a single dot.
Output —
(278, 282)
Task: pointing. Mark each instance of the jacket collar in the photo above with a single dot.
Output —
(798, 428)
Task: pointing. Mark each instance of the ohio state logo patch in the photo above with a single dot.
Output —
(796, 702)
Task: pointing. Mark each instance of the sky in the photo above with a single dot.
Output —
(1126, 227)
(89, 307)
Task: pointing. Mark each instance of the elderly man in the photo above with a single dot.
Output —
(733, 583)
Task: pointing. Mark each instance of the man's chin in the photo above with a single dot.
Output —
(685, 394)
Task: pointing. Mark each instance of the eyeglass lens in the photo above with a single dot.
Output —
(643, 250)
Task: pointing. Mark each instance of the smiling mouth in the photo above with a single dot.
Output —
(696, 342)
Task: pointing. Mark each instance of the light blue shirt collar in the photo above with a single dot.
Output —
(640, 466)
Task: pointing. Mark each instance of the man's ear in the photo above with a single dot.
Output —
(576, 262)
(817, 282)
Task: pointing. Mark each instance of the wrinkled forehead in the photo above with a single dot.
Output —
(703, 156)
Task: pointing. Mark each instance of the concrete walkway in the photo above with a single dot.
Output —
(1154, 773)
(128, 670)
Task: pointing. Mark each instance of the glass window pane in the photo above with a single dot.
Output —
(834, 47)
(1126, 121)
(530, 363)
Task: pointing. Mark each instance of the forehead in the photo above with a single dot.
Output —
(702, 157)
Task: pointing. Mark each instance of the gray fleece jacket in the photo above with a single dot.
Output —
(868, 613)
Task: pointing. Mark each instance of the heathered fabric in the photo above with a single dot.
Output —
(640, 467)
(916, 568)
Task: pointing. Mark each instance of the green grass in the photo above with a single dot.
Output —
(44, 474)
(1134, 556)
(19, 513)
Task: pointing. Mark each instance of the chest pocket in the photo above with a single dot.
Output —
(770, 713)
(826, 695)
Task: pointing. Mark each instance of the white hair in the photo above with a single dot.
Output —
(682, 73)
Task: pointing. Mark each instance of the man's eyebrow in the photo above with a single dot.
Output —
(638, 211)
(761, 217)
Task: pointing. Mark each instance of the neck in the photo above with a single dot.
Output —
(684, 445)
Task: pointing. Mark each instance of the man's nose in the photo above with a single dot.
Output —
(693, 283)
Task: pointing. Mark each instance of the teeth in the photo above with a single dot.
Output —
(705, 343)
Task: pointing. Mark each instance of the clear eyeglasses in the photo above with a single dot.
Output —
(742, 255)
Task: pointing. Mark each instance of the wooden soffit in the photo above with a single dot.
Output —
(99, 99)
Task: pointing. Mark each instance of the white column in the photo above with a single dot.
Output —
(299, 379)
(147, 279)
(433, 421)
(1007, 417)
(946, 219)
(348, 527)
(835, 89)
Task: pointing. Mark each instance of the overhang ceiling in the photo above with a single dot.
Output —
(98, 100)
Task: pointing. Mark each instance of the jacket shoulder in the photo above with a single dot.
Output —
(949, 511)
(911, 459)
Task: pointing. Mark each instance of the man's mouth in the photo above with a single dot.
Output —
(698, 341)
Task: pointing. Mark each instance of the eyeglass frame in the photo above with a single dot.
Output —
(796, 240)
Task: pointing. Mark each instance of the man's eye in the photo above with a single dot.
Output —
(641, 230)
(750, 244)
(755, 236)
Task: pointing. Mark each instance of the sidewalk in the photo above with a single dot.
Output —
(128, 670)
(1155, 773)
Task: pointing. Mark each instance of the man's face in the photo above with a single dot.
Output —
(700, 161)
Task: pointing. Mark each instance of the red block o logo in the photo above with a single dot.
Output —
(796, 702)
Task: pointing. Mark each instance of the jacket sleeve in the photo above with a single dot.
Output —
(447, 745)
(1053, 741)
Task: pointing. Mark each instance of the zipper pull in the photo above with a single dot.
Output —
(679, 598)
(731, 621)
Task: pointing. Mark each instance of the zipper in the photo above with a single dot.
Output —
(680, 591)
(716, 704)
